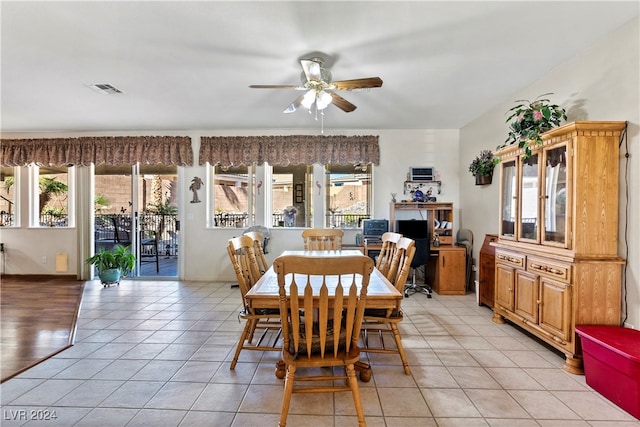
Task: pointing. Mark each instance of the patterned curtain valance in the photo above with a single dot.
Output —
(113, 150)
(290, 149)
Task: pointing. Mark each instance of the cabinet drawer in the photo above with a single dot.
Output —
(510, 258)
(446, 240)
(546, 268)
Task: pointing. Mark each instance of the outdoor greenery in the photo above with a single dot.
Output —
(48, 188)
(100, 202)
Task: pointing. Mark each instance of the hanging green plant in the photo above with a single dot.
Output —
(529, 119)
(483, 164)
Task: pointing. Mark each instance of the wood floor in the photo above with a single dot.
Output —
(38, 318)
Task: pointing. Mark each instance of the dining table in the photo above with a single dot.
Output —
(380, 294)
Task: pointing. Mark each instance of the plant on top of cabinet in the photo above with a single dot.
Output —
(529, 119)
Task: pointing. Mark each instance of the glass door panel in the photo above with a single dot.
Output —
(555, 200)
(137, 207)
(156, 210)
(508, 205)
(529, 192)
(112, 207)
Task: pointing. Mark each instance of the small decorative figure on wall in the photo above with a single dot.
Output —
(319, 187)
(258, 187)
(196, 184)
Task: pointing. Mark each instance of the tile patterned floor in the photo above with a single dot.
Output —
(157, 354)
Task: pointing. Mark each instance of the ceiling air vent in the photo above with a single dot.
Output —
(105, 88)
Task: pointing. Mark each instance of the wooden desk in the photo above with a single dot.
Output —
(380, 294)
(446, 268)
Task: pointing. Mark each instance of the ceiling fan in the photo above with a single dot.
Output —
(320, 90)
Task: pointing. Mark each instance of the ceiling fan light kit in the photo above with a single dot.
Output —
(320, 90)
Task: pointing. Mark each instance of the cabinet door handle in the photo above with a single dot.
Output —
(538, 267)
(554, 271)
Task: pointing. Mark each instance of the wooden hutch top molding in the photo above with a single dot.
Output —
(568, 130)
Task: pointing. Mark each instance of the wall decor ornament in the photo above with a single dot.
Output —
(196, 184)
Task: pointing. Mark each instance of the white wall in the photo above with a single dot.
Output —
(601, 83)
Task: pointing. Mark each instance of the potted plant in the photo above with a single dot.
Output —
(528, 120)
(482, 167)
(113, 264)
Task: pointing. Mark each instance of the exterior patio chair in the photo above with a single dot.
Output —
(149, 248)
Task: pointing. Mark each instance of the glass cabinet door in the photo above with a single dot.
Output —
(555, 196)
(529, 193)
(508, 205)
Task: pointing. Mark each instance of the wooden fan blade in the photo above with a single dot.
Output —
(294, 105)
(342, 103)
(277, 87)
(368, 82)
(311, 69)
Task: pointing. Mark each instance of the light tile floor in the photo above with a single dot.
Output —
(157, 354)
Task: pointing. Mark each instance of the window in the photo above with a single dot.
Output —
(333, 196)
(8, 191)
(291, 196)
(52, 203)
(348, 195)
(232, 197)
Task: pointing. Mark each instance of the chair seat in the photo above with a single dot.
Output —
(302, 360)
(261, 312)
(315, 340)
(382, 313)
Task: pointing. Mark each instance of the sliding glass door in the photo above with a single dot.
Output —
(138, 207)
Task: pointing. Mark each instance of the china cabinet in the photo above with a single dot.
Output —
(556, 257)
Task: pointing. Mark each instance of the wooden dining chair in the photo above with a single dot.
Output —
(258, 250)
(381, 322)
(322, 305)
(245, 265)
(322, 239)
(387, 252)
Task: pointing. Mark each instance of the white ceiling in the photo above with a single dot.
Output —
(187, 65)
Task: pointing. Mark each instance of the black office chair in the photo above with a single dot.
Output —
(423, 252)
